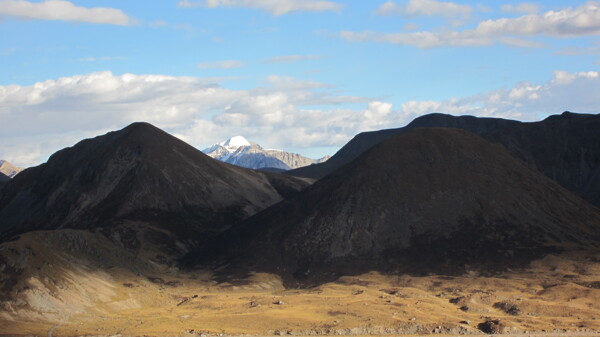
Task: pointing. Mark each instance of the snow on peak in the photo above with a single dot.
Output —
(235, 142)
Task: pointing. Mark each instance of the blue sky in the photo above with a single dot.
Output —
(301, 75)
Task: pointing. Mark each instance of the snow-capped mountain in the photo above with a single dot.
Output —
(9, 169)
(239, 151)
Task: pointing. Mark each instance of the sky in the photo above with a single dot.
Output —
(300, 75)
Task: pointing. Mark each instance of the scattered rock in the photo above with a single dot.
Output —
(156, 280)
(593, 285)
(491, 326)
(173, 284)
(186, 299)
(357, 292)
(456, 300)
(507, 307)
(279, 302)
(183, 300)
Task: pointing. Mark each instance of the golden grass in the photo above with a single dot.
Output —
(554, 294)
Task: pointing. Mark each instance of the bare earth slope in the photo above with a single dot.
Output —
(138, 175)
(429, 200)
(564, 147)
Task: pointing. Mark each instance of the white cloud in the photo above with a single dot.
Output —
(525, 101)
(524, 7)
(288, 83)
(581, 21)
(49, 115)
(580, 50)
(425, 8)
(275, 7)
(46, 116)
(292, 58)
(227, 64)
(101, 58)
(63, 11)
(411, 26)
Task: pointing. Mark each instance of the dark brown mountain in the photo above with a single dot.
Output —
(428, 200)
(138, 176)
(564, 147)
(3, 179)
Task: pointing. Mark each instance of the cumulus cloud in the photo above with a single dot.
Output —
(425, 8)
(570, 22)
(49, 115)
(291, 58)
(286, 112)
(227, 64)
(64, 11)
(524, 7)
(275, 7)
(525, 101)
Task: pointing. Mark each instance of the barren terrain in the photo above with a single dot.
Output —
(558, 294)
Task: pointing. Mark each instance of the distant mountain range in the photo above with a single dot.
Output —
(9, 169)
(239, 151)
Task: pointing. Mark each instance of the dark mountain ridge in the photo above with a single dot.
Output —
(3, 180)
(139, 174)
(564, 147)
(428, 200)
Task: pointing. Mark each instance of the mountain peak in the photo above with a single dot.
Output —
(239, 151)
(235, 142)
(9, 169)
(139, 173)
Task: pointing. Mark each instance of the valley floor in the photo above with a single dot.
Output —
(556, 296)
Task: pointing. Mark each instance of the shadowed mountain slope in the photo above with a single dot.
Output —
(366, 140)
(564, 147)
(428, 200)
(139, 174)
(3, 179)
